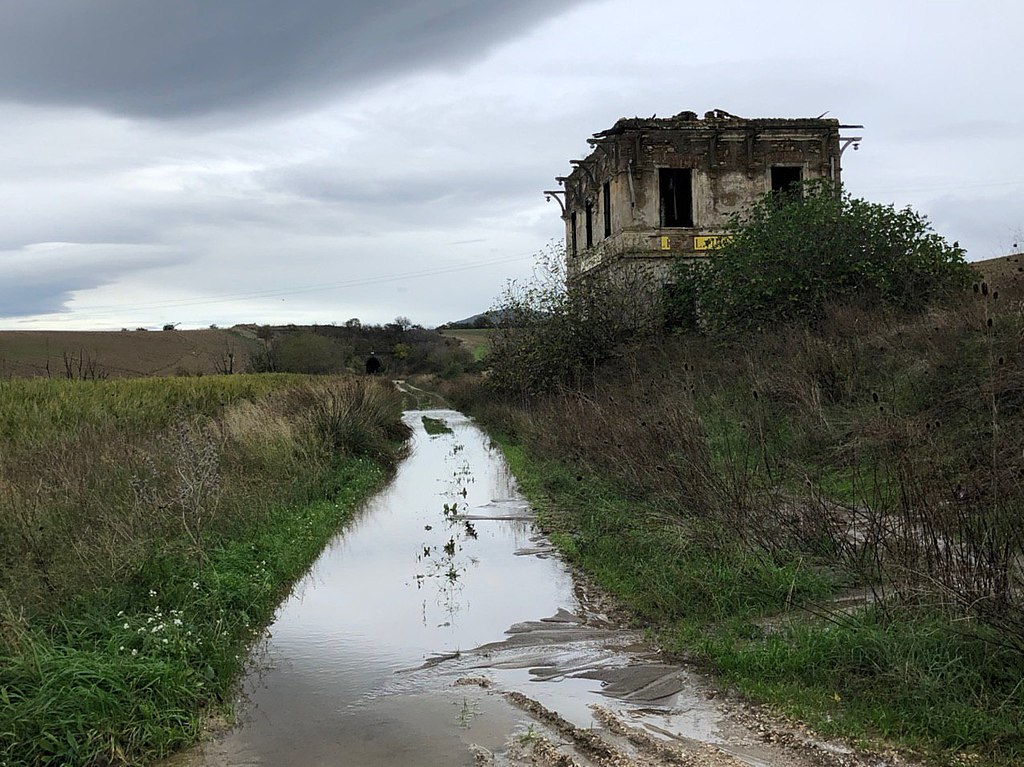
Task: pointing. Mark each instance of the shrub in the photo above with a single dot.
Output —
(792, 255)
(554, 332)
(303, 352)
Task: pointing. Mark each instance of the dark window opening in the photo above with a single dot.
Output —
(572, 224)
(786, 179)
(676, 186)
(590, 224)
(606, 192)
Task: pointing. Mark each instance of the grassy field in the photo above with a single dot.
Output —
(733, 493)
(148, 530)
(477, 340)
(128, 354)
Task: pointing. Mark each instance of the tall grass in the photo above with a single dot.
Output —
(147, 532)
(876, 450)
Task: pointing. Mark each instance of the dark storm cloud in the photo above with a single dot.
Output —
(42, 295)
(42, 279)
(393, 189)
(179, 58)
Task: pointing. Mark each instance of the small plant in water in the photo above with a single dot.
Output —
(530, 735)
(467, 713)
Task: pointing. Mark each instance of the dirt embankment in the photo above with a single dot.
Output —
(1005, 275)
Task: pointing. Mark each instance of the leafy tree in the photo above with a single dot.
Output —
(793, 254)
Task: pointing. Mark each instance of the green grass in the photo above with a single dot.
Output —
(125, 674)
(477, 340)
(909, 677)
(37, 411)
(663, 569)
(146, 541)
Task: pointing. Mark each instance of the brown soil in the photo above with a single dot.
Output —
(122, 354)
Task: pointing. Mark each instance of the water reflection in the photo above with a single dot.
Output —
(426, 570)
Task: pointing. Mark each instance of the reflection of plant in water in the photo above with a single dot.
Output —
(467, 713)
(443, 561)
(447, 572)
(435, 427)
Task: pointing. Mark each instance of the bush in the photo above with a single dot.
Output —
(792, 255)
(303, 352)
(554, 332)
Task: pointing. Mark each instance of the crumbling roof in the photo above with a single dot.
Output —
(716, 118)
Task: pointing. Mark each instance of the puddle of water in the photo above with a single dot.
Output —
(441, 583)
(406, 581)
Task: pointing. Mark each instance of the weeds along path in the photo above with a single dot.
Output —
(826, 513)
(441, 628)
(148, 529)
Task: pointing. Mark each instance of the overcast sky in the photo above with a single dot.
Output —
(223, 161)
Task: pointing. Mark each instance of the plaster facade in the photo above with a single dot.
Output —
(654, 189)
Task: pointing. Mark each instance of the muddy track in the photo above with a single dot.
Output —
(653, 713)
(441, 629)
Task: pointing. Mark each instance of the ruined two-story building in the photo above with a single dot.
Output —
(653, 189)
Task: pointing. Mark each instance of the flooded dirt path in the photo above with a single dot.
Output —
(439, 629)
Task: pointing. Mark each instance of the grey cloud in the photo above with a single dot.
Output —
(455, 195)
(42, 280)
(180, 58)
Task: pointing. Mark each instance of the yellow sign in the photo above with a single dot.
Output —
(664, 243)
(709, 242)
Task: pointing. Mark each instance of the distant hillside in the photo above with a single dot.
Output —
(1005, 275)
(399, 350)
(481, 320)
(124, 354)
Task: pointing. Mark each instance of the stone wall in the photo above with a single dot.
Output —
(730, 164)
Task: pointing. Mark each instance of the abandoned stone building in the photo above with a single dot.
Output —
(655, 188)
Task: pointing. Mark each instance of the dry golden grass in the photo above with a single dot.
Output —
(1005, 275)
